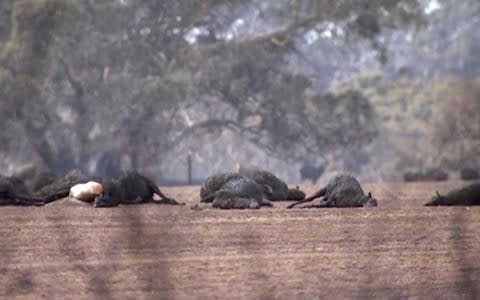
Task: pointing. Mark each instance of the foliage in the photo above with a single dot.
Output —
(456, 125)
(410, 116)
(141, 78)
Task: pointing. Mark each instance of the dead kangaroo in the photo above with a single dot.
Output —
(14, 192)
(280, 190)
(60, 188)
(341, 191)
(239, 192)
(131, 188)
(468, 195)
(215, 182)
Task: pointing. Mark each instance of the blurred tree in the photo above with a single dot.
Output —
(456, 125)
(26, 59)
(76, 72)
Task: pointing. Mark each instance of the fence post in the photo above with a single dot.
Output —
(189, 166)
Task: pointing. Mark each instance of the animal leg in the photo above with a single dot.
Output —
(29, 202)
(168, 201)
(201, 206)
(316, 205)
(20, 199)
(21, 202)
(164, 198)
(267, 203)
(318, 194)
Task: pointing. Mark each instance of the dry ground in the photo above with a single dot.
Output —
(398, 250)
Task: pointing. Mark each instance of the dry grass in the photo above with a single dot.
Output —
(398, 250)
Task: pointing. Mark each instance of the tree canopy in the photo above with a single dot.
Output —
(141, 78)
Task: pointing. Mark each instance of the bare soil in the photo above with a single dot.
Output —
(398, 250)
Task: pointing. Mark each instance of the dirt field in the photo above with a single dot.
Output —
(398, 250)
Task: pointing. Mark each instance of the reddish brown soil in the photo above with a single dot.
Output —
(398, 250)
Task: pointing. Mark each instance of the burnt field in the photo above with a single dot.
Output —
(397, 250)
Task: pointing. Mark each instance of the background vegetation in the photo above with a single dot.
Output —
(372, 87)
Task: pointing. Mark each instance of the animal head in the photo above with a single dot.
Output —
(107, 197)
(105, 201)
(369, 201)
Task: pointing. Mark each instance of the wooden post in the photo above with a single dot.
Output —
(189, 166)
